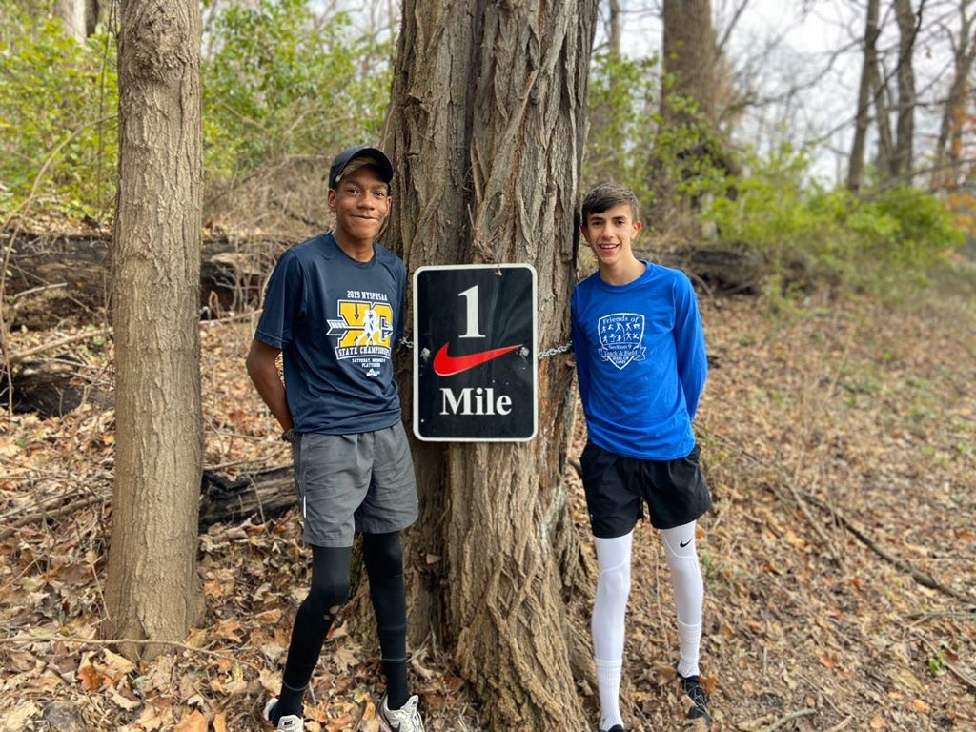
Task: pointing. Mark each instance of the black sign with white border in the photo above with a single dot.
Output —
(475, 353)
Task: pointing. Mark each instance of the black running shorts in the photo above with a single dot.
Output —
(617, 486)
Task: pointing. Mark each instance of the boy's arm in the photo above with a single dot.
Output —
(690, 344)
(263, 372)
(283, 301)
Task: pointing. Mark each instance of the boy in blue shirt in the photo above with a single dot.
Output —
(640, 355)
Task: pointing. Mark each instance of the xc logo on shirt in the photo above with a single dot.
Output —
(362, 324)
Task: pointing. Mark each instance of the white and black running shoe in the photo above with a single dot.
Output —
(691, 686)
(404, 719)
(287, 723)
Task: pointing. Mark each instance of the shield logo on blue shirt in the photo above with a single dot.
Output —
(621, 335)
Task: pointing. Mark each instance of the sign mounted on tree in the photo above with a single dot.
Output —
(475, 353)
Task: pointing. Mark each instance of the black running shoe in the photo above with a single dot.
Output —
(691, 686)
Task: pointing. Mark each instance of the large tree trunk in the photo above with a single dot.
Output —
(908, 27)
(487, 126)
(152, 590)
(855, 169)
(689, 58)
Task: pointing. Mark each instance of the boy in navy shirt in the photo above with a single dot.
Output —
(334, 308)
(640, 356)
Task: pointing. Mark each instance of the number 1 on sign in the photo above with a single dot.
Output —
(471, 295)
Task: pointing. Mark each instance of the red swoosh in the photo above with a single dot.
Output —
(448, 365)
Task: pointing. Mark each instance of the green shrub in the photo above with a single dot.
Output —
(806, 231)
(58, 102)
(280, 84)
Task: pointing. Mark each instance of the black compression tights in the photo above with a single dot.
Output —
(384, 564)
(330, 590)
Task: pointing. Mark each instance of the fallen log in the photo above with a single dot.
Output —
(51, 277)
(722, 271)
(263, 494)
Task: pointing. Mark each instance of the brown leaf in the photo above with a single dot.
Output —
(118, 665)
(269, 616)
(228, 629)
(16, 719)
(91, 679)
(193, 722)
(220, 722)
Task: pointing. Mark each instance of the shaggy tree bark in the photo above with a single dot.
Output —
(855, 169)
(487, 126)
(152, 590)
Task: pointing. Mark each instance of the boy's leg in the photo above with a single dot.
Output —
(686, 580)
(614, 504)
(383, 557)
(329, 592)
(332, 479)
(607, 626)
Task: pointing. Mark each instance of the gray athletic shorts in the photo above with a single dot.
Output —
(349, 483)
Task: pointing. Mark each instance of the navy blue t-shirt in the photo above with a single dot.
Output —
(336, 321)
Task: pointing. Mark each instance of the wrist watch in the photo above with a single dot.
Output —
(288, 435)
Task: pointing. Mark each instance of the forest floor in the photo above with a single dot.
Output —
(833, 432)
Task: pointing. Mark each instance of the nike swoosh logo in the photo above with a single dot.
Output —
(447, 365)
(685, 543)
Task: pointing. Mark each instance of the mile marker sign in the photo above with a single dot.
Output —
(475, 353)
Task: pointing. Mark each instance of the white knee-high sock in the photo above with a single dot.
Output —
(612, 589)
(686, 579)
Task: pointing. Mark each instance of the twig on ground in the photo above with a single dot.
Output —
(919, 576)
(919, 618)
(235, 657)
(956, 672)
(839, 727)
(61, 511)
(789, 718)
(37, 291)
(902, 564)
(16, 357)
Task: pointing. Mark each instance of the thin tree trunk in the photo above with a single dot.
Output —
(614, 26)
(882, 118)
(152, 590)
(947, 169)
(487, 128)
(855, 168)
(79, 17)
(905, 127)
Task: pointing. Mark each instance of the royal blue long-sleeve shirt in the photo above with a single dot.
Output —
(640, 355)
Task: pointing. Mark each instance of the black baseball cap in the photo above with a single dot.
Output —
(379, 159)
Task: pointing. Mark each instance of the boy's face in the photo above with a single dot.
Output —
(361, 203)
(610, 233)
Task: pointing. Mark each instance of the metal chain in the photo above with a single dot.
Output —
(548, 353)
(564, 348)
